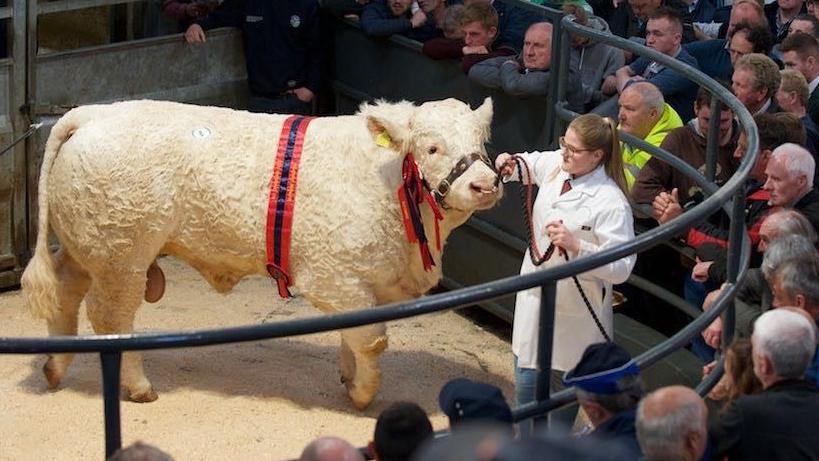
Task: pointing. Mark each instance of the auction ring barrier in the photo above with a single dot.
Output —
(730, 197)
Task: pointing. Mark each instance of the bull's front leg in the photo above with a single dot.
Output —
(360, 349)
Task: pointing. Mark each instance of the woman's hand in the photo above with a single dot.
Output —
(561, 237)
(505, 164)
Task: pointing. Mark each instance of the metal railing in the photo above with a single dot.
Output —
(111, 347)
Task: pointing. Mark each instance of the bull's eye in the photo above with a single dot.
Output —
(433, 150)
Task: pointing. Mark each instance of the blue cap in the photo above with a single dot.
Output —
(602, 365)
(463, 399)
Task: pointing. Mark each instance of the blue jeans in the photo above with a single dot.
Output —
(525, 386)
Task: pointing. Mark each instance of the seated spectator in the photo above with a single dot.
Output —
(548, 446)
(434, 9)
(608, 390)
(139, 451)
(645, 115)
(780, 14)
(283, 68)
(805, 23)
(796, 283)
(595, 60)
(790, 173)
(754, 294)
(792, 97)
(714, 56)
(746, 39)
(399, 431)
(187, 11)
(475, 442)
(529, 74)
(479, 24)
(801, 52)
(672, 424)
(513, 22)
(739, 378)
(382, 18)
(643, 10)
(465, 402)
(689, 144)
(451, 27)
(664, 35)
(755, 82)
(811, 7)
(749, 11)
(780, 422)
(330, 449)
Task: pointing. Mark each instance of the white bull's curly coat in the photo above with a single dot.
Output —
(125, 182)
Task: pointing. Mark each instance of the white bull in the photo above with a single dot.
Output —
(123, 183)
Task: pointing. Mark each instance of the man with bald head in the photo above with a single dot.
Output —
(644, 114)
(330, 449)
(672, 425)
(528, 74)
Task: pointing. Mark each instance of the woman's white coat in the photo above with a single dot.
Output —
(595, 211)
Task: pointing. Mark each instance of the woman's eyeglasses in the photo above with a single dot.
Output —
(571, 149)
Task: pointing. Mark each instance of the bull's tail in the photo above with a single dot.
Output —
(39, 280)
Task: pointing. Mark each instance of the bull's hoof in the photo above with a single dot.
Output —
(143, 396)
(155, 284)
(52, 373)
(361, 400)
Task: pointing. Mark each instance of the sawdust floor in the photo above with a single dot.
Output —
(247, 401)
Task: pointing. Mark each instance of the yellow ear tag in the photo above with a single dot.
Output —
(383, 140)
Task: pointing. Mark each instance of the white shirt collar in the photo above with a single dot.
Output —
(764, 107)
(813, 84)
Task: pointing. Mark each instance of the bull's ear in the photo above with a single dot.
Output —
(484, 113)
(387, 133)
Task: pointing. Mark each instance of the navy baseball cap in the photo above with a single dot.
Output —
(602, 365)
(462, 399)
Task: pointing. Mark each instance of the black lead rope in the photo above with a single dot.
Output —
(534, 254)
(34, 127)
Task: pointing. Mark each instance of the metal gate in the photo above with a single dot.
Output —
(38, 85)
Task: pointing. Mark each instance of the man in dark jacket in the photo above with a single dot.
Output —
(780, 422)
(282, 50)
(382, 18)
(608, 389)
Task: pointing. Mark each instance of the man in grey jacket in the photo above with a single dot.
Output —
(528, 74)
(596, 60)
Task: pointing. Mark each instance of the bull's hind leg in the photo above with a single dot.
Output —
(71, 289)
(364, 345)
(112, 303)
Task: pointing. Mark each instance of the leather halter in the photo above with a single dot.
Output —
(440, 192)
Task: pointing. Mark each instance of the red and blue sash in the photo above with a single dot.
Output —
(282, 198)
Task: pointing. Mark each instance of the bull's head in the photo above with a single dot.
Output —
(447, 140)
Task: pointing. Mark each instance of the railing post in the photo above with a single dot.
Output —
(110, 391)
(546, 329)
(551, 116)
(736, 234)
(563, 73)
(712, 144)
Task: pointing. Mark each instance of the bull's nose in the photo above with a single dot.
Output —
(484, 186)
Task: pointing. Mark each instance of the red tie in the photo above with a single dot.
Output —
(567, 186)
